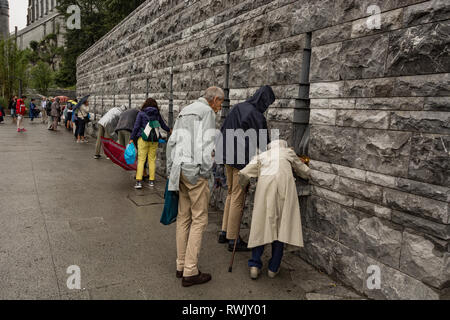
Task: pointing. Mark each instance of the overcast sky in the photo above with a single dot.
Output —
(17, 14)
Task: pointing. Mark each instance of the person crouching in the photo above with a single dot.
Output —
(276, 213)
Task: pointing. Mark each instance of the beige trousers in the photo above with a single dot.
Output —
(192, 221)
(101, 132)
(124, 137)
(233, 204)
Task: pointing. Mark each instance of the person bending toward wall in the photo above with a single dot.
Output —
(276, 216)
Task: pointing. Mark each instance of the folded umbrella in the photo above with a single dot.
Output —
(116, 153)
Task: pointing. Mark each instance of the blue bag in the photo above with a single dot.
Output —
(130, 154)
(170, 211)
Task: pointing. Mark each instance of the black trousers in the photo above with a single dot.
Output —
(81, 126)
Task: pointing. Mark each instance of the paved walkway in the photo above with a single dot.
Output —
(59, 207)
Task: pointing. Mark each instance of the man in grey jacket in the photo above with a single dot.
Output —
(106, 126)
(189, 165)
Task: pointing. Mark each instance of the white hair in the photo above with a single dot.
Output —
(213, 92)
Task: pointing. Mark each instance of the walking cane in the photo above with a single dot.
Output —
(230, 269)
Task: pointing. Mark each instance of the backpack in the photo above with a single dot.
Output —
(151, 132)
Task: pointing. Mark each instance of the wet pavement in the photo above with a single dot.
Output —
(59, 208)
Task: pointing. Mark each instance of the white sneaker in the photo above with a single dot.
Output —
(272, 274)
(254, 273)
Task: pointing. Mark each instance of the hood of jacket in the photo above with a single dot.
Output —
(262, 99)
(152, 113)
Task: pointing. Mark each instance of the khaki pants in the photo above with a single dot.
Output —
(124, 137)
(44, 115)
(55, 121)
(19, 121)
(233, 204)
(192, 221)
(101, 132)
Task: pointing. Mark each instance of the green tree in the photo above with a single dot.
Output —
(13, 68)
(46, 50)
(98, 17)
(42, 77)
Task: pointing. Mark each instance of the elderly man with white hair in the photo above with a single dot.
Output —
(189, 165)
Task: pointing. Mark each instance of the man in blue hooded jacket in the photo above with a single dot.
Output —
(243, 133)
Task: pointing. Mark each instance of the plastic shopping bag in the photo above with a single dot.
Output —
(130, 154)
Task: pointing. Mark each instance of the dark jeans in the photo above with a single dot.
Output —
(80, 127)
(274, 263)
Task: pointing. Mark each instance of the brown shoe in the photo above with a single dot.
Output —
(179, 274)
(198, 279)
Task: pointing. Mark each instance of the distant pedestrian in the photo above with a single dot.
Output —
(68, 114)
(12, 108)
(2, 114)
(147, 146)
(106, 126)
(55, 114)
(125, 126)
(236, 153)
(33, 110)
(21, 109)
(276, 212)
(189, 166)
(82, 115)
(48, 111)
(43, 109)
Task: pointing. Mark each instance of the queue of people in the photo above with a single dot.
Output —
(194, 147)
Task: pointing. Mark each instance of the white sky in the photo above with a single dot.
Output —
(17, 14)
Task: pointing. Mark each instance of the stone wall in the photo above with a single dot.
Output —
(379, 114)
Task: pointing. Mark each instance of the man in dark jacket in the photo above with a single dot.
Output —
(125, 126)
(242, 134)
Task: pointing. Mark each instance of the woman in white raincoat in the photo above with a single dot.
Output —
(276, 214)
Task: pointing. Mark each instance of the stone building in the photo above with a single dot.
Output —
(42, 19)
(4, 19)
(366, 96)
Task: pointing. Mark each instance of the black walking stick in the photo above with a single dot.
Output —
(230, 269)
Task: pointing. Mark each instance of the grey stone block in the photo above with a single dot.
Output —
(427, 122)
(429, 159)
(437, 104)
(371, 88)
(363, 58)
(391, 20)
(396, 285)
(381, 179)
(332, 196)
(373, 209)
(418, 50)
(332, 34)
(421, 260)
(348, 172)
(439, 230)
(425, 86)
(429, 11)
(407, 103)
(324, 217)
(425, 207)
(323, 117)
(363, 119)
(359, 189)
(322, 90)
(335, 145)
(325, 63)
(381, 151)
(423, 189)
